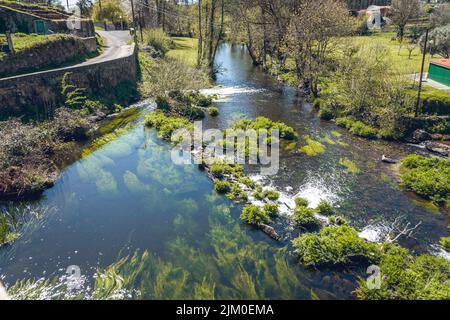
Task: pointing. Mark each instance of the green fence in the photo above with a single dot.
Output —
(440, 74)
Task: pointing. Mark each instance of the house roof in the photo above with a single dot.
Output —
(442, 62)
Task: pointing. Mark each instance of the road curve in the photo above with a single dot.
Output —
(117, 45)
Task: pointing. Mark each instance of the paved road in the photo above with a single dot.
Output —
(117, 45)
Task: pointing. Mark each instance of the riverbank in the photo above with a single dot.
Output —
(129, 200)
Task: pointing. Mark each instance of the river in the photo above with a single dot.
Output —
(129, 196)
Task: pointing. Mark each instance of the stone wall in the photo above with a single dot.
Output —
(16, 21)
(31, 93)
(50, 54)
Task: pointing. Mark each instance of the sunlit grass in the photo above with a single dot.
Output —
(399, 56)
(185, 50)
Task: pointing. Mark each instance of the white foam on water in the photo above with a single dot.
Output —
(315, 193)
(372, 233)
(225, 92)
(437, 250)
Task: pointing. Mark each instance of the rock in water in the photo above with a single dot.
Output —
(270, 231)
(439, 148)
(388, 160)
(421, 135)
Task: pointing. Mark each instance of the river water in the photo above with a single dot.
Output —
(128, 196)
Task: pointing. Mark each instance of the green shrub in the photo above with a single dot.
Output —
(286, 132)
(325, 113)
(337, 220)
(213, 111)
(318, 103)
(192, 112)
(357, 128)
(162, 103)
(159, 40)
(236, 193)
(222, 187)
(428, 177)
(405, 277)
(252, 214)
(325, 208)
(271, 209)
(166, 125)
(445, 243)
(304, 216)
(219, 170)
(334, 245)
(249, 183)
(266, 194)
(301, 202)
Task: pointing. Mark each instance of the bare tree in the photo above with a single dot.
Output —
(401, 12)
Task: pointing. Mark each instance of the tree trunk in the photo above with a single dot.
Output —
(200, 35)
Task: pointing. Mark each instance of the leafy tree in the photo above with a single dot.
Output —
(111, 11)
(439, 41)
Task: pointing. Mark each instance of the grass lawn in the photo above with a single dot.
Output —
(185, 49)
(22, 41)
(400, 57)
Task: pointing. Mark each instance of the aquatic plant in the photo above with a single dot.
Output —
(349, 165)
(357, 128)
(328, 140)
(271, 209)
(428, 177)
(106, 184)
(166, 124)
(222, 187)
(253, 214)
(236, 193)
(133, 184)
(324, 207)
(337, 220)
(248, 182)
(261, 194)
(301, 202)
(305, 216)
(213, 111)
(334, 245)
(220, 170)
(312, 147)
(7, 233)
(336, 133)
(286, 132)
(104, 140)
(445, 243)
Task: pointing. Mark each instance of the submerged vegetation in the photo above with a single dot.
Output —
(312, 147)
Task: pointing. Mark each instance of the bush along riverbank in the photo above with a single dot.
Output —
(369, 97)
(428, 177)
